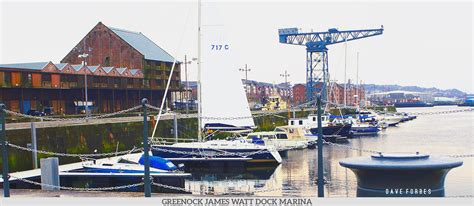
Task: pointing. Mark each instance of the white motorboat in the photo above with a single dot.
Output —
(390, 119)
(278, 138)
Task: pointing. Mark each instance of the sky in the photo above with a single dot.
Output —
(426, 44)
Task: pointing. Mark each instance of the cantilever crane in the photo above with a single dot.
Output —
(317, 52)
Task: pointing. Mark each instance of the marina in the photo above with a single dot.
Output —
(297, 174)
(118, 117)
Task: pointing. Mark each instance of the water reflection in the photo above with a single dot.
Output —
(296, 176)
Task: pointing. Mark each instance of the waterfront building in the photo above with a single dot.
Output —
(299, 94)
(122, 67)
(354, 94)
(258, 93)
(393, 97)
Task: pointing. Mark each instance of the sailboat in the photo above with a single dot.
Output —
(220, 95)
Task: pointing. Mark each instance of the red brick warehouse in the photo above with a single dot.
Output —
(122, 67)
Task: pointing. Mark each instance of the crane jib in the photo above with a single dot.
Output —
(332, 36)
(317, 66)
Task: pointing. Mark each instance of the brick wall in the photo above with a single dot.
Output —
(108, 49)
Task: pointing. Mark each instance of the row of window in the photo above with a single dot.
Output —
(38, 80)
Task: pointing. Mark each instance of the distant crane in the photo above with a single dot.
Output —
(317, 52)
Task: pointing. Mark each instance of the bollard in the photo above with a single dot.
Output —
(146, 155)
(175, 128)
(50, 173)
(6, 178)
(34, 146)
(320, 151)
(400, 174)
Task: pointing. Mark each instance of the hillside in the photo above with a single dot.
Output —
(373, 88)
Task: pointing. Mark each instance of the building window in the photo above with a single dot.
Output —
(8, 78)
(107, 61)
(146, 83)
(46, 77)
(301, 122)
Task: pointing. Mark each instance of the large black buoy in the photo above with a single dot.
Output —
(400, 175)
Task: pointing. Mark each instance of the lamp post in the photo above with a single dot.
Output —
(84, 56)
(246, 70)
(320, 149)
(3, 140)
(186, 62)
(286, 75)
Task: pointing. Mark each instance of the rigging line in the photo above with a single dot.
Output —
(171, 75)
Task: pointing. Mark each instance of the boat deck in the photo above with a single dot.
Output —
(65, 170)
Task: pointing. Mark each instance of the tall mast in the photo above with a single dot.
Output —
(345, 71)
(199, 73)
(357, 81)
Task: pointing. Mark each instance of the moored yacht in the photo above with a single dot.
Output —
(279, 139)
(360, 127)
(329, 127)
(219, 149)
(391, 119)
(219, 111)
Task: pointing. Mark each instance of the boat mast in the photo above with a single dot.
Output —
(345, 71)
(199, 73)
(357, 82)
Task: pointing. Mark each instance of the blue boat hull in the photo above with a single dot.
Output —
(342, 130)
(101, 170)
(207, 153)
(365, 130)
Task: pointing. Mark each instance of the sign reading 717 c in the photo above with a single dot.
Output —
(219, 47)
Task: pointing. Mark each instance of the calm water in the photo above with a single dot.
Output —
(431, 134)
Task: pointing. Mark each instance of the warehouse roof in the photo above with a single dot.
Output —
(107, 69)
(93, 68)
(144, 45)
(77, 67)
(121, 70)
(30, 66)
(60, 66)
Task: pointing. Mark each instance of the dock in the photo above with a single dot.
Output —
(70, 178)
(34, 193)
(51, 124)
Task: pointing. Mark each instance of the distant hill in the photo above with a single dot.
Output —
(373, 88)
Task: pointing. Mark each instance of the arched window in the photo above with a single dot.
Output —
(107, 61)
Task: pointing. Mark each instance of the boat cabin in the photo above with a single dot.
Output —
(309, 122)
(293, 132)
(279, 135)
